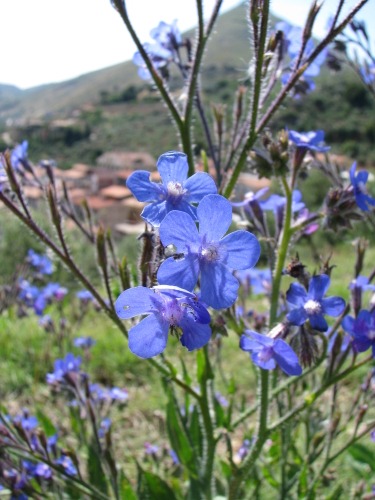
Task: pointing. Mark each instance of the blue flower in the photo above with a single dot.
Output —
(362, 283)
(266, 352)
(309, 140)
(85, 296)
(221, 400)
(18, 156)
(40, 262)
(150, 449)
(118, 394)
(28, 293)
(368, 73)
(258, 279)
(105, 425)
(243, 450)
(362, 329)
(346, 340)
(27, 421)
(311, 305)
(250, 198)
(67, 464)
(84, 342)
(174, 457)
(360, 191)
(166, 306)
(176, 191)
(168, 35)
(62, 367)
(276, 203)
(207, 252)
(159, 56)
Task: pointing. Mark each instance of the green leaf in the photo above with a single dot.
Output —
(171, 367)
(195, 431)
(46, 423)
(226, 469)
(219, 412)
(362, 454)
(231, 386)
(179, 439)
(204, 370)
(95, 469)
(336, 493)
(269, 478)
(126, 491)
(302, 487)
(152, 487)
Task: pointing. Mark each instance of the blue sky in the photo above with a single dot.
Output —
(47, 41)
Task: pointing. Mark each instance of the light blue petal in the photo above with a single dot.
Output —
(173, 167)
(144, 73)
(183, 206)
(242, 250)
(218, 285)
(361, 201)
(155, 213)
(142, 188)
(135, 301)
(179, 229)
(286, 358)
(247, 344)
(296, 295)
(362, 176)
(318, 286)
(149, 338)
(352, 173)
(261, 339)
(297, 316)
(348, 324)
(195, 335)
(198, 186)
(265, 365)
(333, 306)
(318, 322)
(214, 216)
(182, 273)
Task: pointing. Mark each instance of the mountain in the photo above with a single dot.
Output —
(229, 46)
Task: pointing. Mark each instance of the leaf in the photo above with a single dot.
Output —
(226, 469)
(46, 423)
(335, 494)
(362, 454)
(179, 439)
(125, 489)
(95, 469)
(302, 487)
(195, 431)
(204, 370)
(269, 478)
(152, 487)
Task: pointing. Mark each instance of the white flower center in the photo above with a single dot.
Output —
(175, 189)
(312, 307)
(172, 312)
(210, 252)
(362, 187)
(371, 334)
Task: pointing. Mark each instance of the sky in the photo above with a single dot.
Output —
(46, 41)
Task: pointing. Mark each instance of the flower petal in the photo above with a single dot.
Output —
(352, 173)
(242, 250)
(247, 344)
(261, 339)
(135, 301)
(333, 306)
(286, 358)
(195, 335)
(149, 338)
(361, 344)
(362, 176)
(265, 365)
(297, 316)
(318, 322)
(214, 216)
(296, 295)
(198, 186)
(183, 206)
(318, 286)
(142, 188)
(179, 229)
(155, 213)
(218, 285)
(198, 310)
(173, 167)
(348, 324)
(182, 273)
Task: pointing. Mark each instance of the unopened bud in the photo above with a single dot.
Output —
(53, 207)
(101, 247)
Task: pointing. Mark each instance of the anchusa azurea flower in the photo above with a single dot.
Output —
(176, 192)
(266, 352)
(85, 296)
(259, 280)
(167, 35)
(167, 307)
(18, 157)
(207, 252)
(64, 367)
(276, 203)
(40, 262)
(312, 140)
(84, 342)
(158, 55)
(362, 329)
(312, 305)
(359, 181)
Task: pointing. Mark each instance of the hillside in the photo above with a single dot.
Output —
(113, 109)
